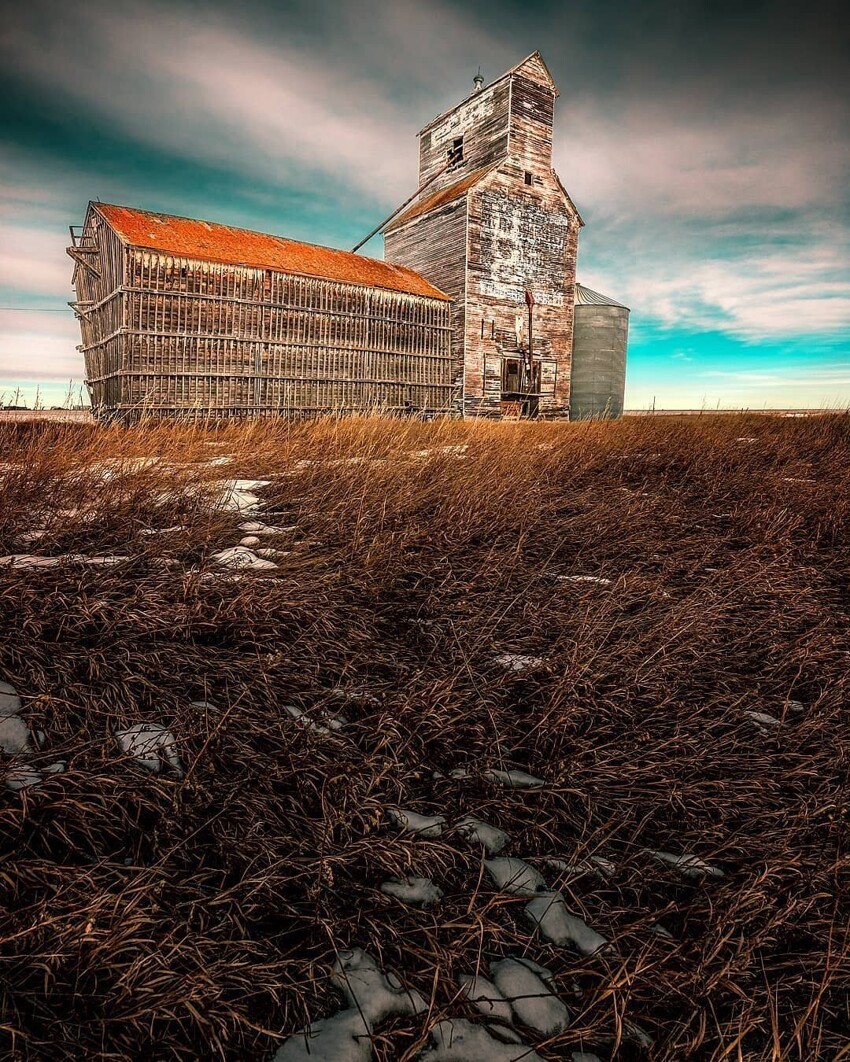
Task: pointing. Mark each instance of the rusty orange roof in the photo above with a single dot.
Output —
(440, 197)
(212, 242)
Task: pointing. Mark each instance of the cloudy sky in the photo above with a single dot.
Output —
(707, 146)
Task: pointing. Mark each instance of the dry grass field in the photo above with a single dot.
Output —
(429, 587)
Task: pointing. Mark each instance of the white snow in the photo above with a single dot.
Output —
(549, 915)
(597, 865)
(249, 540)
(242, 559)
(257, 527)
(343, 1037)
(688, 865)
(514, 876)
(459, 1040)
(10, 701)
(513, 779)
(529, 989)
(762, 719)
(327, 724)
(14, 735)
(17, 778)
(421, 825)
(346, 1036)
(149, 744)
(29, 560)
(413, 891)
(486, 997)
(519, 662)
(476, 831)
(598, 579)
(374, 994)
(161, 530)
(239, 495)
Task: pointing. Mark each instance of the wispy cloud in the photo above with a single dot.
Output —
(216, 89)
(39, 345)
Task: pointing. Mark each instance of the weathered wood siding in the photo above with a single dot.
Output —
(98, 278)
(169, 334)
(519, 238)
(516, 236)
(482, 121)
(435, 246)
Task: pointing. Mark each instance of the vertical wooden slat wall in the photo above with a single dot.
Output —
(183, 336)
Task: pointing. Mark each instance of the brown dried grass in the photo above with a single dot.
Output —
(144, 917)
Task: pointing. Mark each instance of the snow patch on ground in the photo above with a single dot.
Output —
(549, 915)
(329, 722)
(420, 825)
(413, 891)
(242, 559)
(599, 580)
(520, 662)
(28, 560)
(371, 996)
(459, 1040)
(514, 876)
(690, 866)
(528, 988)
(151, 744)
(513, 779)
(476, 831)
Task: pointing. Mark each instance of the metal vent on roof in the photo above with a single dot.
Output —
(585, 296)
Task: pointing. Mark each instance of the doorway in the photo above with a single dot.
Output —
(520, 387)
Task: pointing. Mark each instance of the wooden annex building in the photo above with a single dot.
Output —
(186, 316)
(471, 312)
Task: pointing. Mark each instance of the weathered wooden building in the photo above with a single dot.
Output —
(496, 230)
(472, 311)
(184, 316)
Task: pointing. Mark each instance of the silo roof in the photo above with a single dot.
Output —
(588, 297)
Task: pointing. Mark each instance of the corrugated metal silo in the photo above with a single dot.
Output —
(600, 337)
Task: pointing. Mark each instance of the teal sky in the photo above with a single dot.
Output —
(707, 146)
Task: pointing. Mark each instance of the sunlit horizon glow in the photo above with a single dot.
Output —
(708, 154)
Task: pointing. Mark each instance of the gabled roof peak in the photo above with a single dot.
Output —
(534, 59)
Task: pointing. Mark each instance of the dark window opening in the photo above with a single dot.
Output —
(527, 177)
(455, 152)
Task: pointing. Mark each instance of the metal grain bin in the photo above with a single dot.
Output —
(600, 337)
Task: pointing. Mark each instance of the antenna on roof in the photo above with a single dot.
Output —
(478, 81)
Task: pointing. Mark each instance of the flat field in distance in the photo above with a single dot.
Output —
(649, 617)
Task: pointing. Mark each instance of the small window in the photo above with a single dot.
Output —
(527, 177)
(455, 152)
